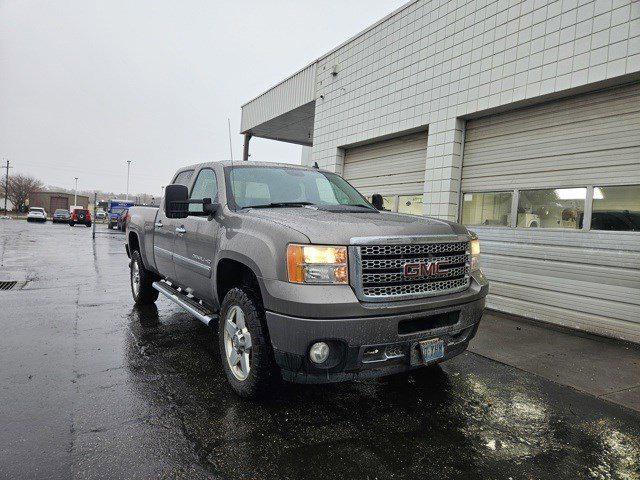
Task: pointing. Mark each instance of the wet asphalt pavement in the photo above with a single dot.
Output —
(94, 388)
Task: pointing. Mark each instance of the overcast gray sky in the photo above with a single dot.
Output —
(86, 85)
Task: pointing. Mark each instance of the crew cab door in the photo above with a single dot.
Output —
(163, 243)
(197, 240)
(164, 233)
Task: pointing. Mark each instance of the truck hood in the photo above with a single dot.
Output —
(339, 228)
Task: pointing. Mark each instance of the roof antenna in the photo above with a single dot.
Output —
(230, 143)
(315, 165)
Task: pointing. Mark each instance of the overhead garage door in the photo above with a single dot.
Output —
(59, 202)
(390, 167)
(530, 181)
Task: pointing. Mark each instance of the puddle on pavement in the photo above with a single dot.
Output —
(472, 418)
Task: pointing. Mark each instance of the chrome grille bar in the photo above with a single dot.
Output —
(378, 270)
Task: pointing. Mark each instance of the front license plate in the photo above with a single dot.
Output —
(432, 349)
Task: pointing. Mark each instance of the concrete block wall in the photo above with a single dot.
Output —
(437, 60)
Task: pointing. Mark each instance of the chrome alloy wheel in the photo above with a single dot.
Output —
(135, 277)
(237, 343)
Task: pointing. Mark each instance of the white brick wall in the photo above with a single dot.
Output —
(437, 60)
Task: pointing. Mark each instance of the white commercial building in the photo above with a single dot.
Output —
(521, 119)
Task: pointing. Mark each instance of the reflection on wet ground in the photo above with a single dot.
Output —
(142, 395)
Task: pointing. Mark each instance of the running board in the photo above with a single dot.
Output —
(189, 304)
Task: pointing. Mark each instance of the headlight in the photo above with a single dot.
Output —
(475, 252)
(317, 264)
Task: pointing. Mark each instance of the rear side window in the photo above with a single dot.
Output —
(183, 178)
(205, 186)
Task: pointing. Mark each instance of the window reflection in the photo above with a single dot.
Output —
(551, 208)
(616, 208)
(486, 208)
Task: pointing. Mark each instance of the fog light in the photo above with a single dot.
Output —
(319, 352)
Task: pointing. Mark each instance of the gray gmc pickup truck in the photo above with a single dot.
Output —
(303, 277)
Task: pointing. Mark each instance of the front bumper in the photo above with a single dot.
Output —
(369, 346)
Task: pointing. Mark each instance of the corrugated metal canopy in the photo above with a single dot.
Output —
(284, 112)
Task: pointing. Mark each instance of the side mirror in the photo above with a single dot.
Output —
(208, 207)
(176, 201)
(377, 201)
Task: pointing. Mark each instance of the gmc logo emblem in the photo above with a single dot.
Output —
(420, 269)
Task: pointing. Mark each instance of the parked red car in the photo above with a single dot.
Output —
(80, 216)
(123, 219)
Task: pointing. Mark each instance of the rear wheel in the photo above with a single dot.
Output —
(141, 281)
(244, 345)
(72, 224)
(88, 224)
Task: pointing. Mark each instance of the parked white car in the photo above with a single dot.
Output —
(36, 214)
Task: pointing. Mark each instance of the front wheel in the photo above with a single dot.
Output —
(244, 345)
(72, 224)
(88, 224)
(141, 281)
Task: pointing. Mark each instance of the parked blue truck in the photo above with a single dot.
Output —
(115, 208)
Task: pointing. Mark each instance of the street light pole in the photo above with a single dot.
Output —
(75, 193)
(6, 188)
(128, 169)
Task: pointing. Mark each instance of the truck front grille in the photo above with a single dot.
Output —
(380, 276)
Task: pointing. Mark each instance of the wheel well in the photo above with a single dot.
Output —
(232, 273)
(134, 243)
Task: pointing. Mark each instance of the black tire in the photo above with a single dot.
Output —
(146, 294)
(88, 224)
(263, 371)
(72, 224)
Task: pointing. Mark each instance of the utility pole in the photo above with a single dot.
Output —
(6, 188)
(75, 192)
(128, 168)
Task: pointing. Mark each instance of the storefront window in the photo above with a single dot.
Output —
(616, 208)
(486, 208)
(410, 204)
(551, 208)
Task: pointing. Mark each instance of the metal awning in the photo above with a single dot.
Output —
(285, 112)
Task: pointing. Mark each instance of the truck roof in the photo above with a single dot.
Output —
(229, 163)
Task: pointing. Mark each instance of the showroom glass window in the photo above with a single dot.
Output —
(204, 187)
(552, 208)
(616, 208)
(487, 208)
(410, 204)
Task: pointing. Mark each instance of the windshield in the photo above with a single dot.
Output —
(36, 209)
(61, 211)
(280, 186)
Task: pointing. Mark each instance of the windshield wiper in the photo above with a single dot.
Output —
(280, 205)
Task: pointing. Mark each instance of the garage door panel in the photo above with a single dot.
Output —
(610, 287)
(574, 161)
(621, 259)
(592, 242)
(601, 129)
(562, 112)
(388, 167)
(621, 328)
(579, 303)
(619, 175)
(588, 279)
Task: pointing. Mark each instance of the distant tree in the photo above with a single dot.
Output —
(21, 187)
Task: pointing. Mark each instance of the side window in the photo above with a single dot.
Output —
(183, 178)
(206, 186)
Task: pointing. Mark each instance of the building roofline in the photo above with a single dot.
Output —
(61, 193)
(334, 49)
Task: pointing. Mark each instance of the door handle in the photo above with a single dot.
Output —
(180, 230)
(159, 224)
